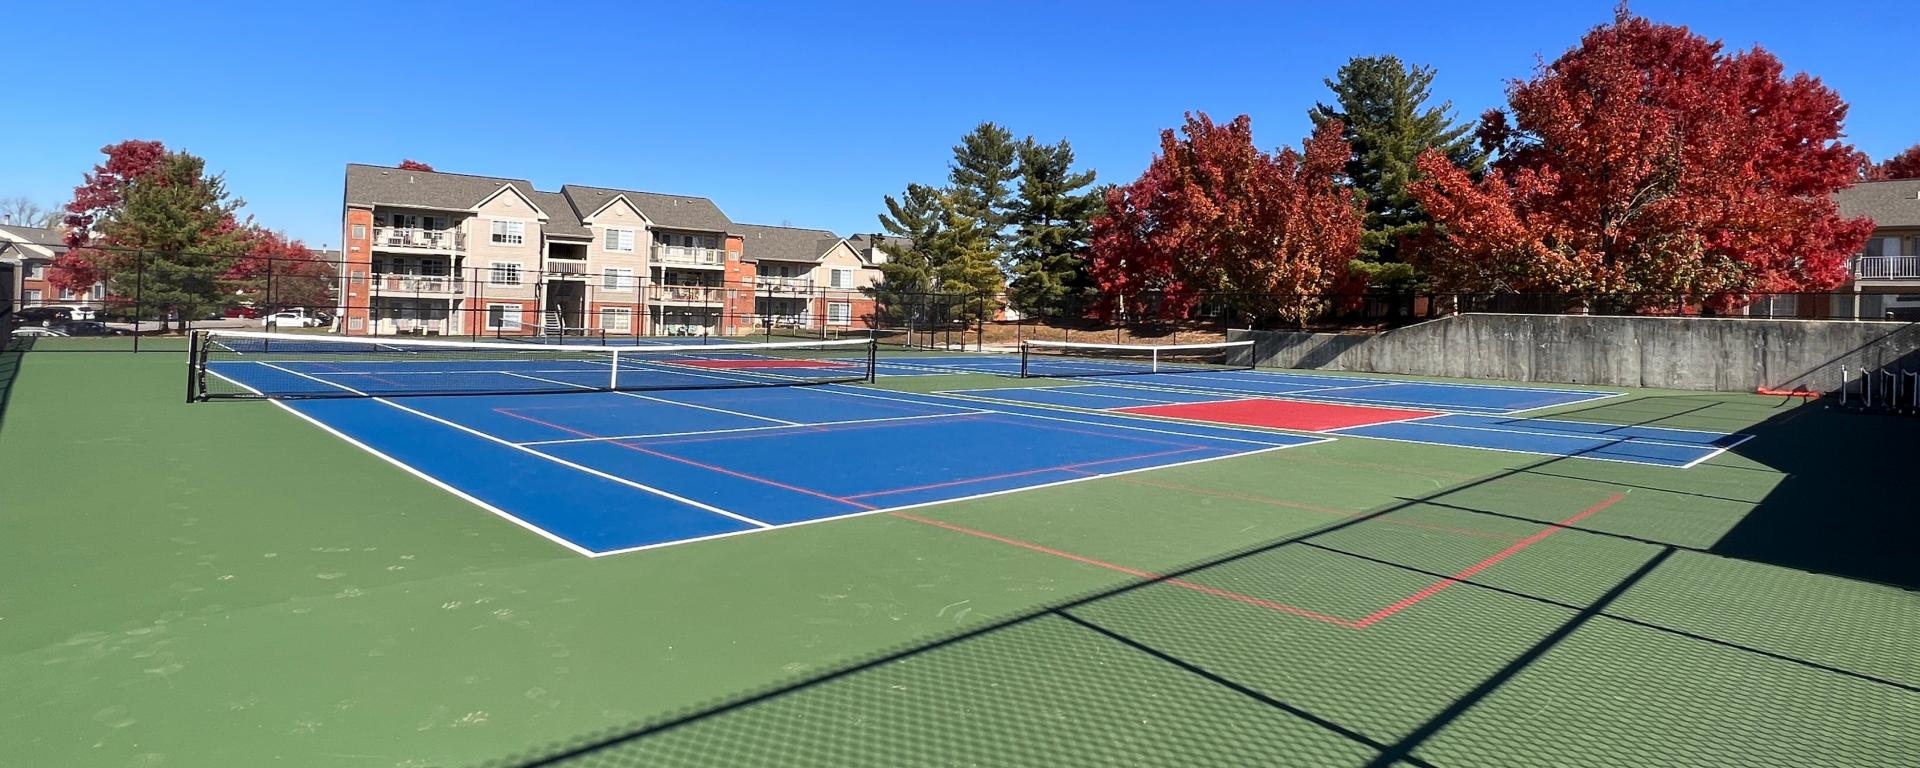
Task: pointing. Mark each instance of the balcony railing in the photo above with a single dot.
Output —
(1895, 267)
(686, 294)
(387, 284)
(689, 255)
(566, 268)
(783, 283)
(424, 239)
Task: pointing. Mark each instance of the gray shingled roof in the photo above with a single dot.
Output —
(1888, 203)
(670, 211)
(374, 185)
(785, 243)
(562, 220)
(50, 238)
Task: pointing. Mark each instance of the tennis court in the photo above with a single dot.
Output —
(834, 554)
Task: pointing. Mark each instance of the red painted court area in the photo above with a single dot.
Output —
(1280, 414)
(729, 364)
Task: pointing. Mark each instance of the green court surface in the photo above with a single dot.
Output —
(225, 584)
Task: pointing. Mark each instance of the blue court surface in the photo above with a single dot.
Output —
(1658, 446)
(1432, 413)
(609, 472)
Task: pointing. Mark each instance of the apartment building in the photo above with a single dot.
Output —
(1886, 274)
(444, 253)
(809, 278)
(26, 253)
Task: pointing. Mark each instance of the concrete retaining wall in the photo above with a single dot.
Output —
(1737, 355)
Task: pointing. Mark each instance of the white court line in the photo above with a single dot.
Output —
(1638, 426)
(1430, 443)
(904, 507)
(969, 412)
(743, 414)
(1067, 409)
(1576, 435)
(1084, 394)
(1258, 372)
(524, 449)
(1723, 449)
(410, 469)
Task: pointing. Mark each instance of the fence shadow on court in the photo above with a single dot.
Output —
(927, 701)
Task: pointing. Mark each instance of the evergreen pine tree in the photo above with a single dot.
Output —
(917, 218)
(185, 222)
(981, 179)
(1382, 103)
(1053, 221)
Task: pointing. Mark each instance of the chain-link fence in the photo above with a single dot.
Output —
(136, 296)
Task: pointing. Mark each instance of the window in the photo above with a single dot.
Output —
(66, 294)
(406, 220)
(840, 278)
(616, 319)
(37, 271)
(359, 231)
(31, 297)
(503, 317)
(504, 274)
(620, 240)
(509, 232)
(839, 313)
(617, 279)
(99, 292)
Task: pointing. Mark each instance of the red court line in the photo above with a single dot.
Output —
(1003, 475)
(693, 463)
(1370, 620)
(1181, 583)
(759, 363)
(1312, 508)
(1279, 414)
(1469, 571)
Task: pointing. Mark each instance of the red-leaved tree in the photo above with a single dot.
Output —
(277, 271)
(415, 165)
(1647, 168)
(1266, 235)
(1905, 165)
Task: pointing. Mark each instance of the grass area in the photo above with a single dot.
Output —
(224, 584)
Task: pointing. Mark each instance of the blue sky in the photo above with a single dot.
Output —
(783, 112)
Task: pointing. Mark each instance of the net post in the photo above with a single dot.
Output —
(613, 377)
(1026, 350)
(1156, 360)
(873, 360)
(193, 359)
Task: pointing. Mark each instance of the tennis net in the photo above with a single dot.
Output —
(252, 364)
(1068, 359)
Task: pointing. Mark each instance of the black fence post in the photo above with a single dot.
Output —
(139, 280)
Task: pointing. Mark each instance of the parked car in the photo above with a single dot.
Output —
(292, 320)
(88, 328)
(44, 315)
(250, 313)
(33, 330)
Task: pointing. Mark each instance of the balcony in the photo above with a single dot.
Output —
(783, 284)
(1895, 267)
(688, 256)
(414, 238)
(566, 268)
(686, 294)
(417, 285)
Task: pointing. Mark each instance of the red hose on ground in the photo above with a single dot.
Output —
(1795, 392)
